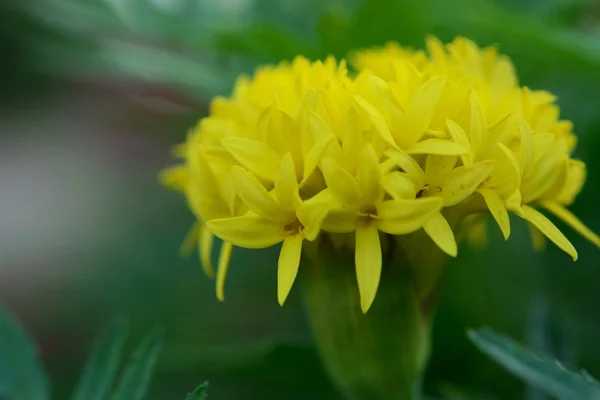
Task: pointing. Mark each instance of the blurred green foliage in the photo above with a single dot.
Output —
(248, 347)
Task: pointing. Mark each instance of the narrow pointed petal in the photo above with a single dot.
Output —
(256, 197)
(223, 267)
(204, 192)
(440, 232)
(538, 240)
(498, 209)
(289, 261)
(437, 146)
(571, 220)
(422, 106)
(254, 155)
(369, 175)
(286, 184)
(312, 212)
(399, 217)
(205, 244)
(526, 151)
(342, 185)
(249, 231)
(314, 155)
(460, 137)
(190, 242)
(377, 120)
(549, 230)
(353, 132)
(463, 181)
(478, 126)
(368, 264)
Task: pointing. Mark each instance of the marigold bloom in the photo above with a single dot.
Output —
(305, 151)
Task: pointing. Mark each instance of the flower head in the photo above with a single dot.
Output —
(305, 151)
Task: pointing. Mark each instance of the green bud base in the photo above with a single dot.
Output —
(379, 355)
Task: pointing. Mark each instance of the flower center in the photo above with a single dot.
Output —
(368, 214)
(293, 228)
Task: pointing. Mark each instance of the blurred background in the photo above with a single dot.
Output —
(95, 93)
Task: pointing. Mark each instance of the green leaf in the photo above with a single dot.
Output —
(199, 393)
(102, 364)
(135, 380)
(537, 369)
(22, 376)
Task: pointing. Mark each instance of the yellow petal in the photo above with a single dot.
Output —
(254, 155)
(399, 217)
(289, 261)
(574, 222)
(463, 181)
(205, 244)
(440, 232)
(312, 212)
(204, 192)
(223, 267)
(478, 126)
(342, 185)
(175, 177)
(256, 197)
(399, 185)
(377, 120)
(496, 206)
(286, 184)
(353, 132)
(436, 167)
(422, 106)
(368, 264)
(576, 178)
(314, 155)
(526, 152)
(190, 242)
(460, 137)
(550, 230)
(249, 231)
(407, 163)
(537, 238)
(437, 146)
(369, 176)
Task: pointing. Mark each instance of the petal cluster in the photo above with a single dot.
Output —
(304, 150)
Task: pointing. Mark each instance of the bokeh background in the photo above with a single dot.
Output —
(96, 92)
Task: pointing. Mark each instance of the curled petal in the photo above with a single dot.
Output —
(422, 106)
(399, 185)
(399, 217)
(256, 197)
(549, 230)
(463, 181)
(368, 264)
(377, 120)
(342, 185)
(256, 156)
(289, 261)
(440, 232)
(249, 231)
(286, 184)
(460, 137)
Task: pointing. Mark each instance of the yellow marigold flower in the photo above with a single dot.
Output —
(414, 142)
